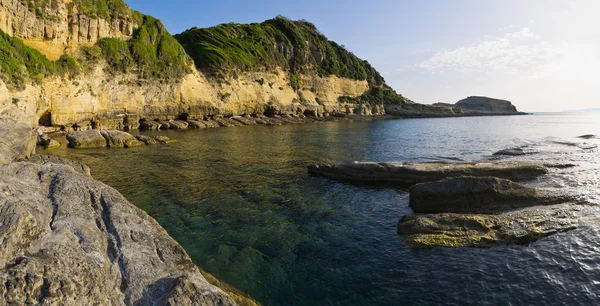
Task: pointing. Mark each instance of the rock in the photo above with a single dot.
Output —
(150, 125)
(224, 123)
(211, 124)
(48, 143)
(196, 124)
(475, 195)
(165, 125)
(514, 152)
(588, 136)
(163, 139)
(17, 140)
(460, 230)
(146, 140)
(178, 125)
(410, 173)
(51, 145)
(86, 139)
(119, 139)
(68, 239)
(244, 121)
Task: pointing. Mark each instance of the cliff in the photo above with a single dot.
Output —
(83, 64)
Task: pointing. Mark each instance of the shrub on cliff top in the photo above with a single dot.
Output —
(294, 45)
(152, 52)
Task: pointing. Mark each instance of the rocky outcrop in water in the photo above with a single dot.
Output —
(474, 230)
(410, 173)
(482, 105)
(469, 194)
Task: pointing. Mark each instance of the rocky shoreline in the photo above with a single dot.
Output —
(69, 239)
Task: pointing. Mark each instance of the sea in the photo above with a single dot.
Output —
(241, 203)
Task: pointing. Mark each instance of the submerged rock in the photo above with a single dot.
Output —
(68, 239)
(471, 230)
(163, 139)
(475, 195)
(86, 139)
(410, 173)
(146, 140)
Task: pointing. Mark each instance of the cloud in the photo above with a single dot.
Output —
(512, 53)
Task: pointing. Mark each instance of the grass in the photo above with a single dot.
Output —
(152, 52)
(19, 63)
(105, 9)
(296, 46)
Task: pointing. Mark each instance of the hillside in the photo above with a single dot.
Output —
(98, 63)
(476, 104)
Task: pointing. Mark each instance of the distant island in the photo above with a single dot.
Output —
(476, 104)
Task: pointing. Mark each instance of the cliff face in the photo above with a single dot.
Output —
(79, 64)
(65, 22)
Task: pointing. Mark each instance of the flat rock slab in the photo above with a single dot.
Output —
(119, 139)
(68, 239)
(86, 139)
(476, 195)
(244, 120)
(410, 173)
(482, 231)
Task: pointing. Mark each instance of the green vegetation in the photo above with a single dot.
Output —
(105, 9)
(152, 52)
(296, 46)
(19, 63)
(377, 95)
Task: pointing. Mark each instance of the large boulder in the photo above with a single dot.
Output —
(17, 140)
(475, 195)
(196, 124)
(86, 139)
(119, 139)
(410, 173)
(68, 239)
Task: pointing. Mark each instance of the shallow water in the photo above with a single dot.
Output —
(240, 202)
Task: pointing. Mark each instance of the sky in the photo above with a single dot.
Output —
(543, 55)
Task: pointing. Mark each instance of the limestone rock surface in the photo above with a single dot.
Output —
(68, 239)
(410, 173)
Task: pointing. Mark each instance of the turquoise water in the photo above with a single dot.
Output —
(240, 202)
